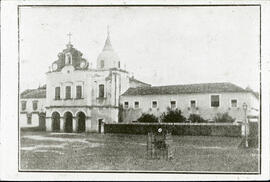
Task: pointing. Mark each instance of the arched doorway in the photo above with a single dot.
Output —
(68, 122)
(55, 121)
(81, 122)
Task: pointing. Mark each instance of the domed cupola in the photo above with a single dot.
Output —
(70, 56)
(108, 58)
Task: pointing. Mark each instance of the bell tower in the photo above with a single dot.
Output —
(108, 59)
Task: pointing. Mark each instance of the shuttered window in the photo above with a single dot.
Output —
(68, 92)
(78, 92)
(126, 105)
(29, 119)
(192, 103)
(233, 103)
(101, 90)
(23, 105)
(57, 93)
(136, 105)
(154, 104)
(215, 101)
(35, 103)
(173, 104)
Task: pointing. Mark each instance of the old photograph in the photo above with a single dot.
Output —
(165, 90)
(139, 89)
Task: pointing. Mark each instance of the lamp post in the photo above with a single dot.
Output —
(245, 115)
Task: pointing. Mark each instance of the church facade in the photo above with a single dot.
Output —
(80, 98)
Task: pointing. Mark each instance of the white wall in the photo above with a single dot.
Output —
(115, 82)
(34, 120)
(183, 103)
(90, 81)
(29, 110)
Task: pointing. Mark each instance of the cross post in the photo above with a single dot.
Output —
(69, 37)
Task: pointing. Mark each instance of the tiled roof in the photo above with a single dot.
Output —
(34, 93)
(185, 89)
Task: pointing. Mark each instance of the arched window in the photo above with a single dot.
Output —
(68, 58)
(101, 91)
(102, 64)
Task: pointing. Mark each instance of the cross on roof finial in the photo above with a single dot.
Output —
(108, 30)
(69, 37)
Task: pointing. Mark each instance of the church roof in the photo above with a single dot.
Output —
(185, 89)
(34, 93)
(76, 58)
(108, 45)
(108, 58)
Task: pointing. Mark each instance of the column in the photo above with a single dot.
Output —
(62, 124)
(74, 124)
(48, 124)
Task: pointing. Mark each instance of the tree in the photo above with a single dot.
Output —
(195, 118)
(223, 118)
(147, 118)
(173, 116)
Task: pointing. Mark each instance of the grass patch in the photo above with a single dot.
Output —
(128, 152)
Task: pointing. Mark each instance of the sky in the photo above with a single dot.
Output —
(158, 45)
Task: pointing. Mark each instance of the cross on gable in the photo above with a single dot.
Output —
(69, 37)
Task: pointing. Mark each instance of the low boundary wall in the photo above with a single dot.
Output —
(193, 129)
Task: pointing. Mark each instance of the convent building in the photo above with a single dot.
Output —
(78, 98)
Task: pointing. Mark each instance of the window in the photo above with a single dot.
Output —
(192, 103)
(154, 104)
(173, 104)
(118, 64)
(101, 91)
(35, 105)
(102, 64)
(68, 58)
(136, 105)
(214, 100)
(125, 105)
(23, 105)
(57, 93)
(29, 119)
(234, 103)
(68, 92)
(78, 92)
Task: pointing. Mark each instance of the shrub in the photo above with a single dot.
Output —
(195, 118)
(173, 116)
(147, 118)
(223, 118)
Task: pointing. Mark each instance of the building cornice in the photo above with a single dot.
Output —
(83, 106)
